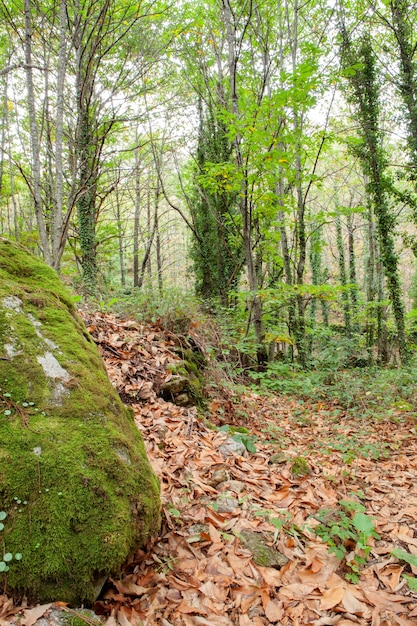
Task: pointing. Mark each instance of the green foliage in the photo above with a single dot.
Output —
(411, 559)
(348, 532)
(174, 308)
(300, 467)
(215, 252)
(386, 392)
(242, 435)
(8, 556)
(364, 94)
(411, 582)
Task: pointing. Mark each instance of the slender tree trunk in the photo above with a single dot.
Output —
(403, 12)
(342, 276)
(148, 249)
(382, 335)
(120, 238)
(136, 219)
(352, 271)
(158, 239)
(59, 229)
(150, 232)
(4, 126)
(300, 228)
(370, 292)
(255, 305)
(34, 136)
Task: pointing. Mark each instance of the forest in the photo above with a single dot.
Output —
(262, 155)
(238, 177)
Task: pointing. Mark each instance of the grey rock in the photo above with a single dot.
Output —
(232, 447)
(219, 476)
(174, 385)
(263, 554)
(233, 485)
(278, 458)
(226, 504)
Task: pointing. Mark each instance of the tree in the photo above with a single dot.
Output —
(360, 67)
(84, 53)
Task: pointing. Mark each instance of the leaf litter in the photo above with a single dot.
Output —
(201, 569)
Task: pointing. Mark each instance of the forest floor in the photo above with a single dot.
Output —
(304, 467)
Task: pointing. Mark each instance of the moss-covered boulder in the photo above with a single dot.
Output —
(77, 493)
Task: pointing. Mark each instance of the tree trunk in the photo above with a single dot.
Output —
(352, 271)
(365, 96)
(136, 219)
(255, 306)
(370, 292)
(342, 276)
(59, 229)
(34, 136)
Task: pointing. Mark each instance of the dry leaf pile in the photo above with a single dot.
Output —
(200, 570)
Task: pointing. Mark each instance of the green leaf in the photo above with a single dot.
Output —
(405, 556)
(250, 446)
(18, 556)
(351, 505)
(3, 515)
(3, 567)
(363, 523)
(8, 557)
(1, 526)
(411, 582)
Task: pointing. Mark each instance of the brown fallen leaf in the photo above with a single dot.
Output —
(331, 598)
(32, 615)
(274, 611)
(353, 605)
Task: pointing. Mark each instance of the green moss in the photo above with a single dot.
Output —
(80, 619)
(300, 467)
(189, 369)
(74, 454)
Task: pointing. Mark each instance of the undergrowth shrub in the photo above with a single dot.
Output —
(389, 391)
(174, 309)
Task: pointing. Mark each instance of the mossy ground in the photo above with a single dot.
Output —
(189, 368)
(76, 458)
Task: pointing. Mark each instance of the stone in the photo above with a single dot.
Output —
(184, 386)
(278, 458)
(76, 487)
(232, 447)
(262, 553)
(174, 386)
(218, 476)
(236, 486)
(197, 529)
(183, 399)
(226, 504)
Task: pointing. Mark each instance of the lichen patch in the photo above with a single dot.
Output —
(37, 325)
(13, 303)
(11, 350)
(52, 368)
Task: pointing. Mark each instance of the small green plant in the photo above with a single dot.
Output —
(8, 556)
(280, 523)
(411, 559)
(300, 467)
(347, 532)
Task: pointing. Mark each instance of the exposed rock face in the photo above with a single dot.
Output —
(75, 483)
